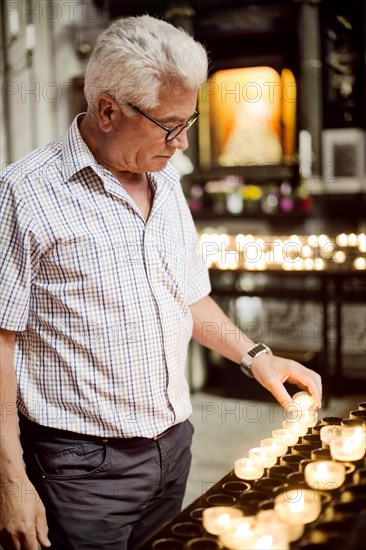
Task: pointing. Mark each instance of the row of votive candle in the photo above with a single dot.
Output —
(265, 531)
(304, 416)
(346, 443)
(277, 528)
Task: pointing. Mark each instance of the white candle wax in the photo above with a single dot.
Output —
(294, 425)
(347, 448)
(290, 436)
(309, 418)
(298, 506)
(247, 468)
(325, 474)
(217, 518)
(278, 446)
(303, 408)
(265, 455)
(238, 533)
(303, 400)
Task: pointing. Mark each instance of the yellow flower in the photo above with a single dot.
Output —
(251, 192)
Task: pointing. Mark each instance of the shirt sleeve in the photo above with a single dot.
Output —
(19, 257)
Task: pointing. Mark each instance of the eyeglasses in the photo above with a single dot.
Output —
(172, 132)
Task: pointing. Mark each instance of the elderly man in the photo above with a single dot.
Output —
(102, 289)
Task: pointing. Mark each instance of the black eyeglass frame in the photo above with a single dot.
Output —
(187, 124)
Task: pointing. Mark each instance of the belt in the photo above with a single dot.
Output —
(157, 437)
(35, 428)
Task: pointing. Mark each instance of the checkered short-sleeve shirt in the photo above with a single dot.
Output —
(98, 296)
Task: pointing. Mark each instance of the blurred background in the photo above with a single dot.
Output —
(275, 172)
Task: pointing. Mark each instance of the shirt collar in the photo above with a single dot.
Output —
(76, 156)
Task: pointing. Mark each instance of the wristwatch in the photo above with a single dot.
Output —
(249, 357)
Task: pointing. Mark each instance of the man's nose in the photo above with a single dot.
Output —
(181, 140)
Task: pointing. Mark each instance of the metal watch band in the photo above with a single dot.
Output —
(249, 357)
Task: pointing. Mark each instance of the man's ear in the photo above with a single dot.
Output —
(106, 111)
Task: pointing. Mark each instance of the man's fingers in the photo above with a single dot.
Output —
(42, 530)
(314, 387)
(307, 380)
(19, 541)
(279, 392)
(273, 371)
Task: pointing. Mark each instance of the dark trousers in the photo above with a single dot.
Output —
(106, 494)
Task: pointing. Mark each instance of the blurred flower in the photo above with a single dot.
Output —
(251, 192)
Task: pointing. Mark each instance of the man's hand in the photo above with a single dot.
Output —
(213, 328)
(272, 372)
(23, 521)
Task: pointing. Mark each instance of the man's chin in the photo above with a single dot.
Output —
(159, 163)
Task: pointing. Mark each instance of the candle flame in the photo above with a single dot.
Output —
(242, 530)
(322, 471)
(264, 543)
(349, 444)
(298, 505)
(224, 519)
(359, 433)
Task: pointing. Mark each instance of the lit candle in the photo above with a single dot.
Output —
(217, 518)
(360, 263)
(269, 520)
(290, 437)
(327, 433)
(303, 400)
(342, 239)
(357, 432)
(344, 447)
(325, 475)
(309, 418)
(247, 468)
(265, 455)
(303, 407)
(239, 533)
(352, 239)
(294, 425)
(278, 445)
(298, 506)
(319, 264)
(362, 242)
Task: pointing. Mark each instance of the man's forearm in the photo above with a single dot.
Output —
(11, 463)
(214, 330)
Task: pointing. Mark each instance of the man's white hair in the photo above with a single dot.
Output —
(135, 57)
